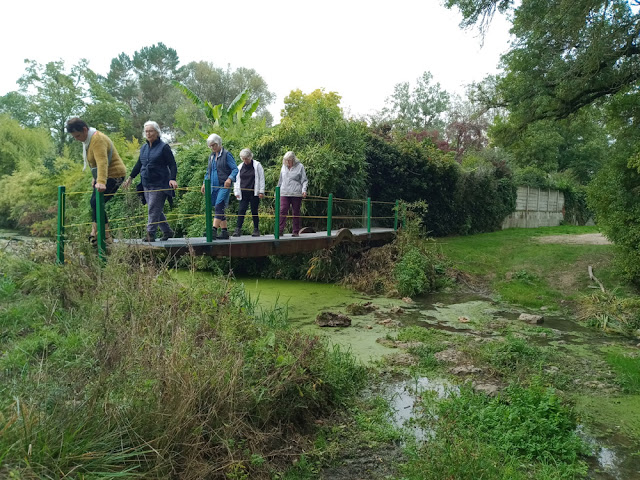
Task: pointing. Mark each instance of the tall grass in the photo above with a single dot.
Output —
(126, 372)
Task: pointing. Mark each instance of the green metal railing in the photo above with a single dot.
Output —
(101, 217)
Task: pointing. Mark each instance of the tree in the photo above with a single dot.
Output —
(222, 86)
(466, 128)
(421, 108)
(219, 115)
(17, 105)
(53, 95)
(567, 54)
(143, 83)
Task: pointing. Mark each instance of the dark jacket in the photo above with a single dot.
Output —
(156, 166)
(221, 168)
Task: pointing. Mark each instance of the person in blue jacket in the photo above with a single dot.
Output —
(157, 168)
(222, 171)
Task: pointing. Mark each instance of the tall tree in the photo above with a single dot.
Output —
(566, 54)
(467, 125)
(221, 86)
(54, 96)
(420, 108)
(143, 83)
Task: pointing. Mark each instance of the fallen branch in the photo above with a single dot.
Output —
(593, 277)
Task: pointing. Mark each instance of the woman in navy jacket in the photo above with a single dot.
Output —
(157, 168)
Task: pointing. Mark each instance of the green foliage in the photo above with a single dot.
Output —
(198, 366)
(512, 355)
(567, 54)
(54, 95)
(331, 148)
(526, 433)
(421, 108)
(412, 273)
(627, 367)
(219, 115)
(221, 86)
(142, 82)
(475, 201)
(22, 148)
(613, 196)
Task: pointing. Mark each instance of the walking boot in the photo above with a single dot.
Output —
(256, 232)
(167, 235)
(224, 234)
(237, 232)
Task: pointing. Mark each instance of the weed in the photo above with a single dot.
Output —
(527, 433)
(610, 311)
(513, 356)
(411, 273)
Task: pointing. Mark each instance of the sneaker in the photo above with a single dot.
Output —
(224, 235)
(256, 233)
(167, 235)
(237, 233)
(149, 238)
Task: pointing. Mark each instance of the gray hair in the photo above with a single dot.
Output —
(155, 126)
(289, 156)
(213, 138)
(246, 153)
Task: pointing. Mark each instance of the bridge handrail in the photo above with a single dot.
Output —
(100, 214)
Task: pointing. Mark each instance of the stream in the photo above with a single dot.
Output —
(613, 458)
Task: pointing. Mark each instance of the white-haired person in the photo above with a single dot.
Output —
(293, 184)
(157, 168)
(222, 171)
(249, 189)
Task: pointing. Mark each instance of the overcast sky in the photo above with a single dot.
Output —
(359, 49)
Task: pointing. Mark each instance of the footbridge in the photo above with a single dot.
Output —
(334, 221)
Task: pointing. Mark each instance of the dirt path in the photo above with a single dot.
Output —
(585, 239)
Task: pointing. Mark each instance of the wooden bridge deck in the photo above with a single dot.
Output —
(265, 245)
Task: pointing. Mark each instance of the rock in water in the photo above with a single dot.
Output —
(532, 319)
(330, 319)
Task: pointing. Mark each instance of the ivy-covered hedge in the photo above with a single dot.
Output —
(459, 202)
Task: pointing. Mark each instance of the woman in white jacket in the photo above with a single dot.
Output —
(248, 189)
(293, 188)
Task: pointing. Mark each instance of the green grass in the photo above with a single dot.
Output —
(522, 271)
(627, 368)
(526, 433)
(121, 370)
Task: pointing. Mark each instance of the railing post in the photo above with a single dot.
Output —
(100, 220)
(60, 236)
(368, 214)
(276, 227)
(395, 217)
(329, 214)
(207, 210)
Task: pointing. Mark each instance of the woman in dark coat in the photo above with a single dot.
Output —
(157, 168)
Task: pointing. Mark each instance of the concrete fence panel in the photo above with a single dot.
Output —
(536, 207)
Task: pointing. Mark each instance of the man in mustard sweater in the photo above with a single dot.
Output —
(106, 165)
